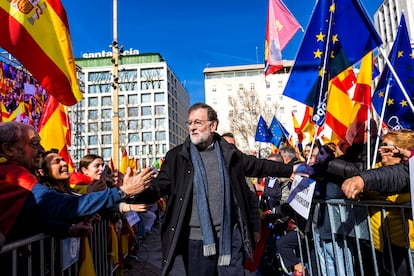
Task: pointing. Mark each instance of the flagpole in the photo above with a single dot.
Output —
(115, 117)
(369, 139)
(319, 111)
(387, 90)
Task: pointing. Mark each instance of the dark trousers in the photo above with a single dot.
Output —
(197, 264)
(286, 246)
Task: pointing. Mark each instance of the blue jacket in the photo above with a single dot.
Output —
(45, 206)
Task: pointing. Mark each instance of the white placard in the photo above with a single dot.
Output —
(301, 194)
(132, 218)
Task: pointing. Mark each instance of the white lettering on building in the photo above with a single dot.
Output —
(109, 53)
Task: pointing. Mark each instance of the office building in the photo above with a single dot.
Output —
(224, 86)
(152, 105)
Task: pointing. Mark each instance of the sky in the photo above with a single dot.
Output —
(190, 35)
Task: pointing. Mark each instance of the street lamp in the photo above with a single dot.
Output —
(115, 87)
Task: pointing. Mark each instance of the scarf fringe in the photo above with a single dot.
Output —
(224, 260)
(209, 250)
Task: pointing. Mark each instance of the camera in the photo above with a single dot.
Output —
(342, 168)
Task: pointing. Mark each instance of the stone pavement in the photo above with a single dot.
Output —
(147, 261)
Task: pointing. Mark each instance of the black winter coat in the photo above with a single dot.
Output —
(175, 180)
(387, 179)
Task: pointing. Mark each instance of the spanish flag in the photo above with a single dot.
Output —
(54, 129)
(37, 34)
(340, 105)
(124, 162)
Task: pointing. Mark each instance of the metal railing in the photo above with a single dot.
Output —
(356, 243)
(44, 255)
(366, 237)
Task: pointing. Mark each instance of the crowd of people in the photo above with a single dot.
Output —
(343, 174)
(226, 211)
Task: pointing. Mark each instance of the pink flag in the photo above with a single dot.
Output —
(281, 27)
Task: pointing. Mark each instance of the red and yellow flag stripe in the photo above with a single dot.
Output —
(37, 34)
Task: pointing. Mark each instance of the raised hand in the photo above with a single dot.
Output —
(135, 184)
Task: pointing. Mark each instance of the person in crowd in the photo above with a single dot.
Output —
(207, 216)
(306, 151)
(272, 193)
(25, 203)
(54, 174)
(336, 150)
(391, 183)
(287, 247)
(288, 242)
(335, 163)
(289, 156)
(229, 137)
(312, 158)
(395, 149)
(272, 218)
(92, 175)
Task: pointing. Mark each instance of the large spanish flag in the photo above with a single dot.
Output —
(36, 32)
(54, 129)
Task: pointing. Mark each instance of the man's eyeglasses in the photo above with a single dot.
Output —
(197, 123)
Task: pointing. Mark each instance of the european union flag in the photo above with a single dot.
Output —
(398, 114)
(277, 133)
(339, 34)
(263, 134)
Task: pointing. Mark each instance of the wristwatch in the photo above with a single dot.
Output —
(122, 194)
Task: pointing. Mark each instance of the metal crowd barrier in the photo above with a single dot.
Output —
(348, 249)
(45, 255)
(352, 248)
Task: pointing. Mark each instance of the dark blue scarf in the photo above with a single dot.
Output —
(201, 194)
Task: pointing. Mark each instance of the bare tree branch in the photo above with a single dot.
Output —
(245, 109)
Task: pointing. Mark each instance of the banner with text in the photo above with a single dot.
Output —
(301, 194)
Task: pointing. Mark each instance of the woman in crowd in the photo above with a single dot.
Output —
(93, 175)
(391, 183)
(55, 175)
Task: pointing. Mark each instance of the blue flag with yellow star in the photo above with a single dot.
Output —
(277, 132)
(398, 114)
(263, 133)
(339, 34)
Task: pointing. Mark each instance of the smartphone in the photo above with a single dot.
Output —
(104, 172)
(318, 143)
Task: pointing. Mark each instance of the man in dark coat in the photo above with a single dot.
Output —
(206, 221)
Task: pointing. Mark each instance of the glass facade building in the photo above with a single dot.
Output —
(152, 108)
